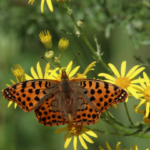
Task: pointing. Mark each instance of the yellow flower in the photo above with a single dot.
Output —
(74, 132)
(20, 76)
(117, 147)
(63, 44)
(126, 82)
(144, 94)
(71, 73)
(139, 111)
(49, 3)
(46, 39)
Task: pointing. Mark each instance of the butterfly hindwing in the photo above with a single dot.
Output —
(29, 94)
(49, 113)
(85, 114)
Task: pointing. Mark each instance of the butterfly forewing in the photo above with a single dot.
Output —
(29, 94)
(98, 96)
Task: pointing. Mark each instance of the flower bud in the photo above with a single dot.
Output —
(55, 60)
(18, 72)
(46, 39)
(63, 44)
(49, 54)
(80, 22)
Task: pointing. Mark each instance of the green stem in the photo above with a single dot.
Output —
(98, 58)
(126, 126)
(128, 113)
(111, 123)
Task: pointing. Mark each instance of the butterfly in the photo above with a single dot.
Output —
(59, 102)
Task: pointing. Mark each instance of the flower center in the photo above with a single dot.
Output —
(147, 94)
(74, 129)
(123, 82)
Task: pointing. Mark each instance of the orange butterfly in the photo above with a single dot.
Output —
(55, 101)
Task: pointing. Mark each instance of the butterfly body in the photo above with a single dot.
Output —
(55, 101)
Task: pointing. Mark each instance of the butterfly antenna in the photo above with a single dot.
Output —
(74, 60)
(76, 57)
(46, 61)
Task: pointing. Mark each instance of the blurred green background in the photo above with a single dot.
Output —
(122, 30)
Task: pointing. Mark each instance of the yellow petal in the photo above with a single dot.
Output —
(86, 137)
(9, 104)
(34, 73)
(12, 81)
(126, 100)
(82, 142)
(115, 105)
(42, 5)
(133, 92)
(137, 87)
(139, 111)
(27, 77)
(69, 66)
(141, 102)
(140, 95)
(137, 81)
(31, 1)
(61, 130)
(53, 72)
(147, 109)
(132, 70)
(39, 71)
(135, 147)
(136, 72)
(118, 145)
(7, 85)
(47, 67)
(113, 68)
(123, 68)
(89, 67)
(142, 83)
(100, 148)
(68, 140)
(50, 6)
(107, 145)
(75, 143)
(17, 79)
(89, 132)
(109, 81)
(146, 79)
(65, 136)
(73, 71)
(15, 105)
(107, 76)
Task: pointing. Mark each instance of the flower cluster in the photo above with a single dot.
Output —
(134, 86)
(46, 39)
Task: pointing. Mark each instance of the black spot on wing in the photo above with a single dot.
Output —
(33, 85)
(106, 85)
(90, 83)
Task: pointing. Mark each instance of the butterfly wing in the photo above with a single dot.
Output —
(97, 96)
(30, 94)
(49, 112)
